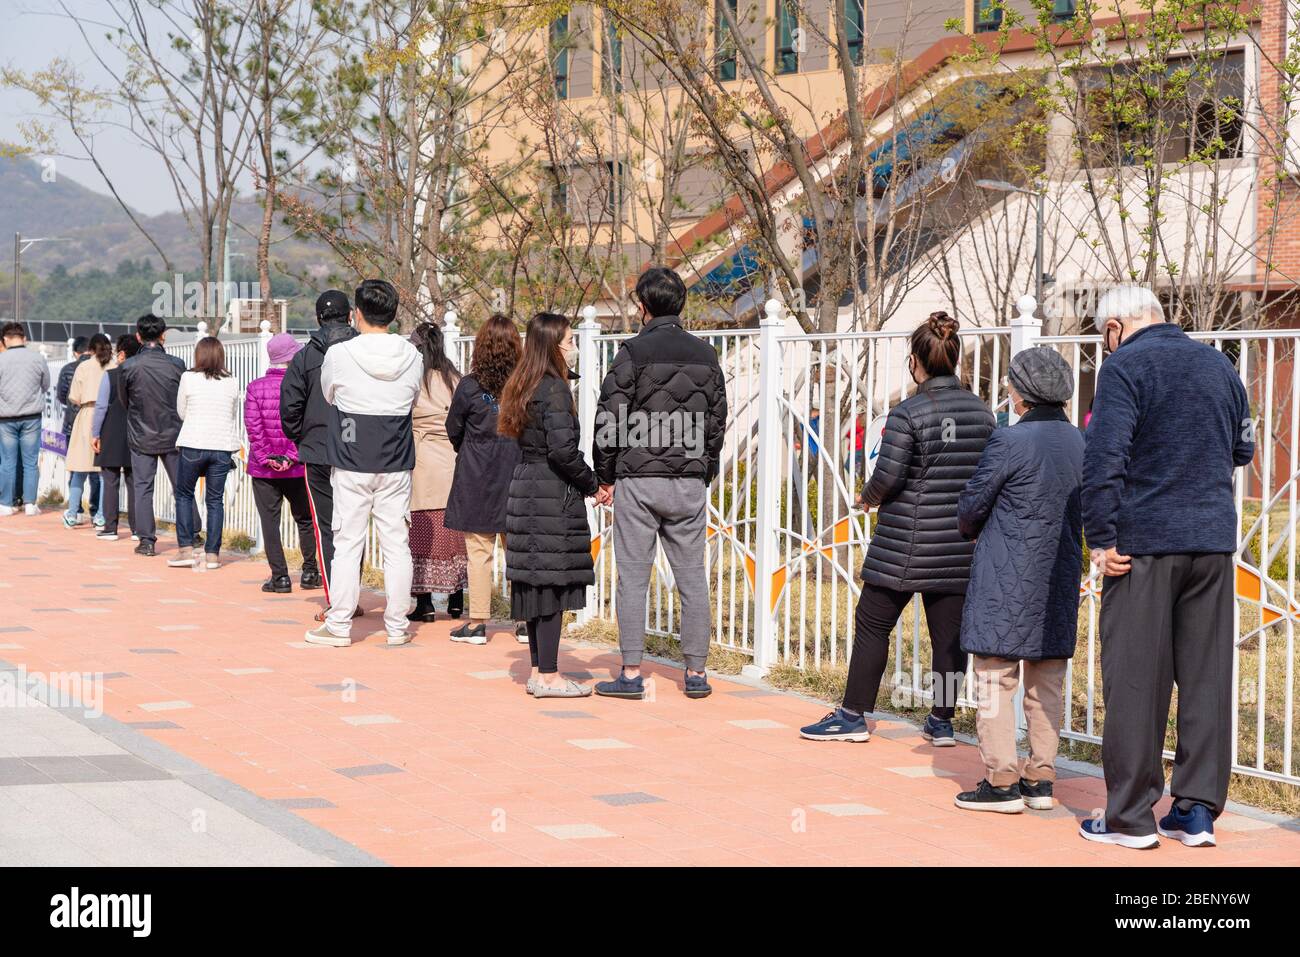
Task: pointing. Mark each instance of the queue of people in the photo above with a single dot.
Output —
(361, 429)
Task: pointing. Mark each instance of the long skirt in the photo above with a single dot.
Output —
(438, 554)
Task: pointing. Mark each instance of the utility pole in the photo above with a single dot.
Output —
(21, 246)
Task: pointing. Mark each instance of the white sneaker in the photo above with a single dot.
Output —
(31, 510)
(184, 558)
(135, 538)
(521, 634)
(212, 561)
(400, 639)
(323, 636)
(6, 510)
(106, 536)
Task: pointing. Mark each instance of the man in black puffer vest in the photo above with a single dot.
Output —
(659, 430)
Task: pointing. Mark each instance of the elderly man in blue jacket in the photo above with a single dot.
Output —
(1170, 423)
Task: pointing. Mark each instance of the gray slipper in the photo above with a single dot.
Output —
(570, 689)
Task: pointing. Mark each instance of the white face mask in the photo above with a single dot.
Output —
(571, 356)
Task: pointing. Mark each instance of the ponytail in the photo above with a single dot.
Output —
(936, 346)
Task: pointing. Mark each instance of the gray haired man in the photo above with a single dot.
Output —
(1170, 422)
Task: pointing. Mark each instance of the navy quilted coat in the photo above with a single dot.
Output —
(1023, 503)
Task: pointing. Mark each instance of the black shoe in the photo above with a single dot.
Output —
(423, 610)
(456, 604)
(697, 686)
(938, 731)
(309, 580)
(279, 584)
(986, 797)
(470, 634)
(146, 549)
(1037, 795)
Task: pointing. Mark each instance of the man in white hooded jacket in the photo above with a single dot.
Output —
(371, 383)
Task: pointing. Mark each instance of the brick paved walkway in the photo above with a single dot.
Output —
(431, 753)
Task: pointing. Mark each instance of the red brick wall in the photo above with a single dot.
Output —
(1278, 205)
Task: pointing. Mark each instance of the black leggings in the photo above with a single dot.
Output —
(878, 611)
(544, 642)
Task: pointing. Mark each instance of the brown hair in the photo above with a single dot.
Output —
(210, 358)
(101, 347)
(936, 346)
(541, 355)
(496, 353)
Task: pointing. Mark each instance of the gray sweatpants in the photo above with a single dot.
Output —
(675, 510)
(1168, 621)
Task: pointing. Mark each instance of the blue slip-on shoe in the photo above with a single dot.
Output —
(938, 732)
(697, 686)
(1194, 827)
(622, 687)
(1094, 829)
(837, 726)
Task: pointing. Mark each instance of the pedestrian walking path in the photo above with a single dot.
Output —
(226, 739)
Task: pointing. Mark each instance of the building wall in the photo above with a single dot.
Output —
(1278, 205)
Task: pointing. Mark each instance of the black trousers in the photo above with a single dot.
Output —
(144, 470)
(268, 494)
(544, 642)
(113, 479)
(877, 613)
(1168, 621)
(321, 502)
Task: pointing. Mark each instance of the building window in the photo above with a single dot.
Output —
(613, 187)
(1063, 10)
(611, 64)
(854, 29)
(787, 38)
(560, 55)
(988, 16)
(724, 43)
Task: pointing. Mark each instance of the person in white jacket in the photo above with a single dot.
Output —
(207, 401)
(371, 382)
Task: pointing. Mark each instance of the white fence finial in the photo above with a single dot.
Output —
(772, 310)
(202, 328)
(589, 315)
(1025, 306)
(264, 327)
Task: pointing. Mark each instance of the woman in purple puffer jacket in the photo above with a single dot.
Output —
(276, 472)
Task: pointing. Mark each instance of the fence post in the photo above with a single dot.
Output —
(450, 333)
(1025, 330)
(263, 362)
(588, 397)
(768, 512)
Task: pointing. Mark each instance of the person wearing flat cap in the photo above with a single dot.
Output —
(1020, 622)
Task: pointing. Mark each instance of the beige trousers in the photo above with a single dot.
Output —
(480, 547)
(996, 680)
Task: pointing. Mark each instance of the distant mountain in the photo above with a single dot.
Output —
(100, 235)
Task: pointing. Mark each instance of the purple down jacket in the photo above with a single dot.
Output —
(265, 434)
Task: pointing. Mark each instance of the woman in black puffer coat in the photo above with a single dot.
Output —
(931, 447)
(548, 540)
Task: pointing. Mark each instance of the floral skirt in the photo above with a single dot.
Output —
(437, 553)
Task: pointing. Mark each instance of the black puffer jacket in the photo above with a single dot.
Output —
(667, 372)
(932, 445)
(113, 449)
(485, 461)
(548, 540)
(304, 413)
(1023, 503)
(147, 390)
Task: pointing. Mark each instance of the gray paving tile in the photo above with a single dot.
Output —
(280, 621)
(69, 769)
(152, 725)
(368, 770)
(13, 629)
(127, 767)
(343, 687)
(154, 651)
(304, 803)
(752, 693)
(631, 797)
(18, 771)
(98, 585)
(568, 714)
(44, 610)
(114, 674)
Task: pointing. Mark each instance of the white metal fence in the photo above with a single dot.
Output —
(785, 539)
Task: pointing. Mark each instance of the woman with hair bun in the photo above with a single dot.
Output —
(932, 444)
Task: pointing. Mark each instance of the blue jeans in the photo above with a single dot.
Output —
(76, 483)
(213, 466)
(19, 438)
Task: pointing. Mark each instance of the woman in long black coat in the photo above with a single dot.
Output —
(108, 439)
(548, 540)
(932, 443)
(485, 464)
(1021, 618)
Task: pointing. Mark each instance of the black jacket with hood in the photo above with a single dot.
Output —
(304, 413)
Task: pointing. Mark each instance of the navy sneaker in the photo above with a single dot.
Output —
(837, 726)
(986, 797)
(1092, 829)
(1037, 795)
(1195, 827)
(622, 687)
(697, 686)
(938, 732)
